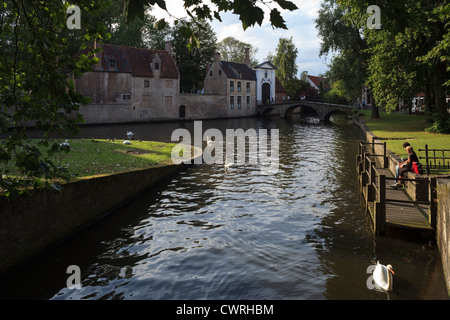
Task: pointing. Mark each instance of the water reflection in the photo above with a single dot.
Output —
(207, 234)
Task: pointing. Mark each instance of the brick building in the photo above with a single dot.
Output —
(130, 84)
(138, 85)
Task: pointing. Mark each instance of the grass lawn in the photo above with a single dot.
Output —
(89, 157)
(94, 157)
(409, 128)
(97, 157)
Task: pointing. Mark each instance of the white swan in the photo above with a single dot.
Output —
(229, 164)
(382, 275)
(126, 142)
(130, 135)
(65, 144)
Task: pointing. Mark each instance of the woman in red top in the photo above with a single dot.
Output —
(405, 166)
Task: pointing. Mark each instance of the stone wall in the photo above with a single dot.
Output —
(443, 225)
(33, 223)
(420, 192)
(199, 106)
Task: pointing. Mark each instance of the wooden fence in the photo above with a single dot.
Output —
(373, 183)
(433, 158)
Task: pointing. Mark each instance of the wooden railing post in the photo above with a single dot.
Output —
(370, 187)
(426, 159)
(380, 207)
(433, 202)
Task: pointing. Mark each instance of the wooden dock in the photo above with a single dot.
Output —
(389, 207)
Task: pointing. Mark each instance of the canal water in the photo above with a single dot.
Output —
(300, 233)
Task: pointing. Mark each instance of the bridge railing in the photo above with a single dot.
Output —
(308, 98)
(311, 98)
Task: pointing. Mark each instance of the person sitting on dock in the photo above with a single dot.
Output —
(406, 165)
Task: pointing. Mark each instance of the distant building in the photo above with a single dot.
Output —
(365, 101)
(130, 84)
(236, 81)
(318, 84)
(242, 84)
(139, 85)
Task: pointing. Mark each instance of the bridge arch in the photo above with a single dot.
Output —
(335, 111)
(269, 111)
(290, 109)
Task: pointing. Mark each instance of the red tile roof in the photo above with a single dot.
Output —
(137, 61)
(232, 70)
(318, 80)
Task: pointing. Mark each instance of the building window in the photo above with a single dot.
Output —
(112, 63)
(168, 101)
(231, 102)
(156, 65)
(169, 83)
(182, 112)
(231, 86)
(210, 73)
(248, 87)
(239, 86)
(146, 84)
(220, 72)
(248, 101)
(239, 102)
(126, 97)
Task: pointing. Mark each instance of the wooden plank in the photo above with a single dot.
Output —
(398, 214)
(403, 215)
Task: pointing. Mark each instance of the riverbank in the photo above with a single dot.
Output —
(37, 221)
(442, 189)
(396, 128)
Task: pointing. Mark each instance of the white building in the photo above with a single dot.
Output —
(265, 82)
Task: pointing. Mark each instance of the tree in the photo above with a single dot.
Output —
(192, 63)
(342, 36)
(37, 68)
(284, 60)
(249, 11)
(233, 50)
(410, 51)
(346, 73)
(36, 86)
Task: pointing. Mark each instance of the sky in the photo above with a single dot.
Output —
(301, 28)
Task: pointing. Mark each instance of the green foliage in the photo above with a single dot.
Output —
(439, 125)
(37, 88)
(342, 37)
(249, 11)
(192, 61)
(285, 60)
(231, 49)
(295, 86)
(408, 55)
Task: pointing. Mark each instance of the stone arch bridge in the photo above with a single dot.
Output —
(324, 110)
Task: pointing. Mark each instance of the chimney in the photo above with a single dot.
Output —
(217, 57)
(168, 47)
(247, 57)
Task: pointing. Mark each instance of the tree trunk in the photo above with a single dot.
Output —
(428, 103)
(440, 105)
(375, 112)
